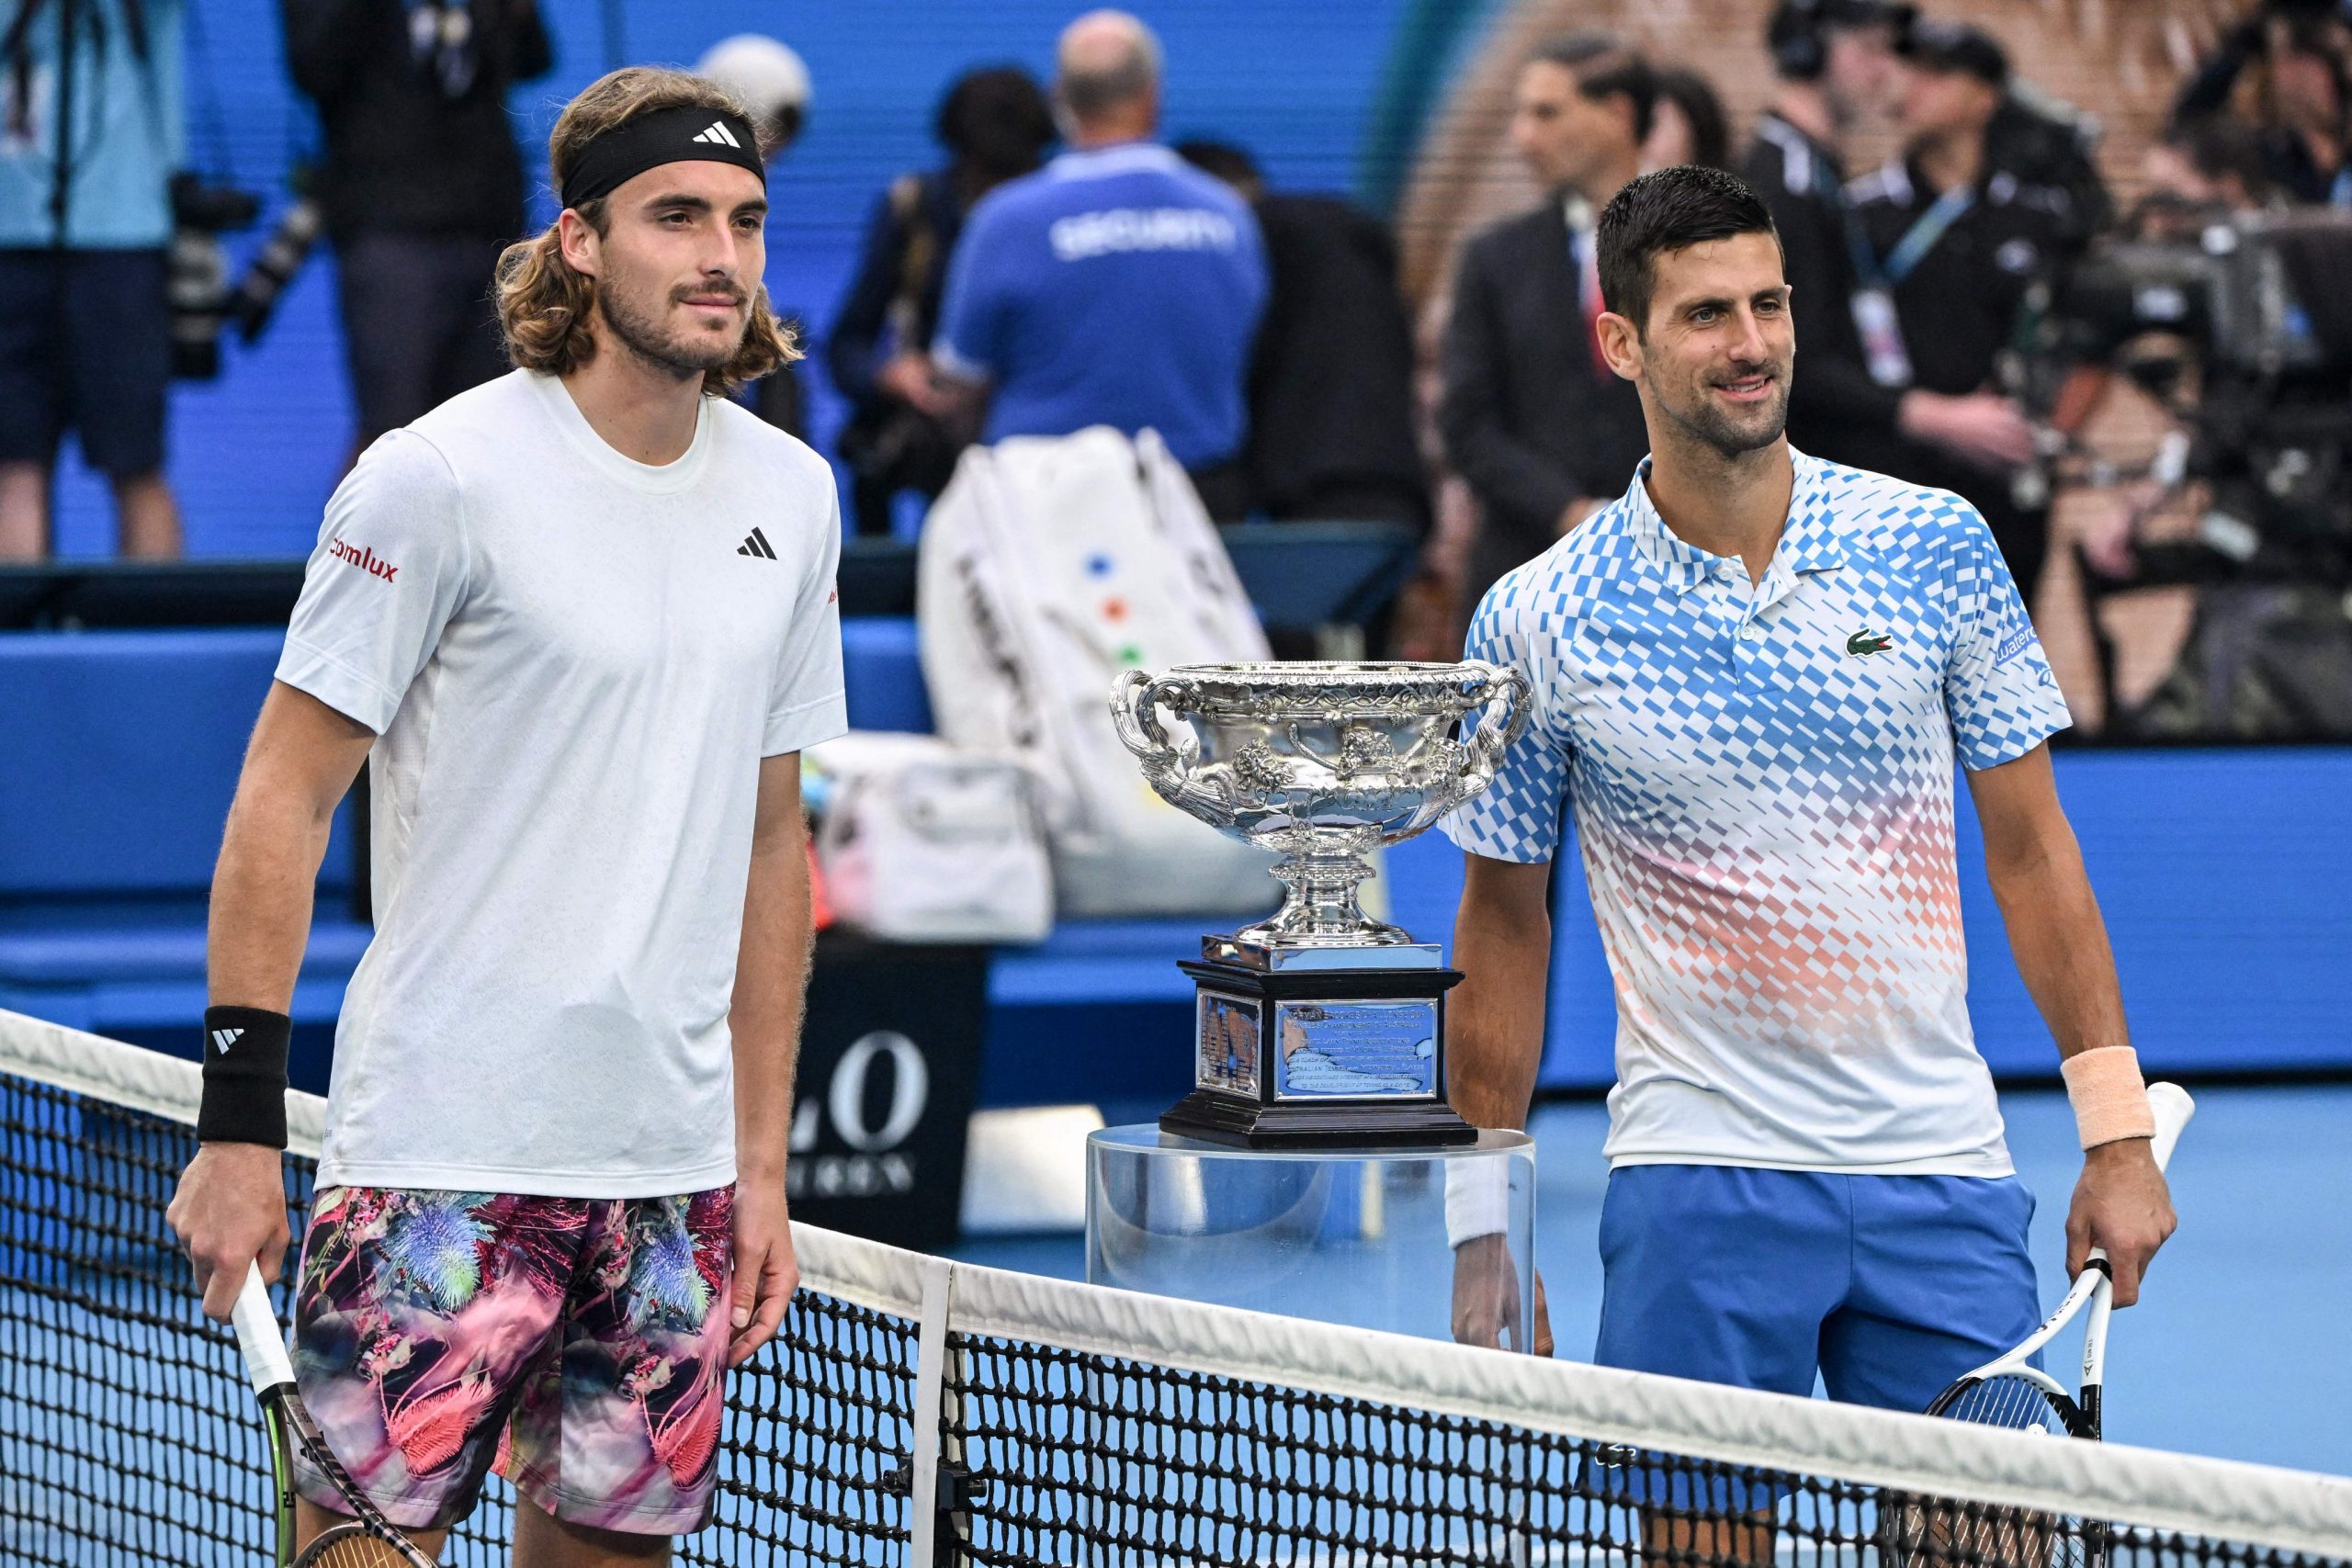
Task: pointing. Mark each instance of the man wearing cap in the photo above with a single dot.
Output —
(773, 82)
(1952, 247)
(581, 620)
(1835, 63)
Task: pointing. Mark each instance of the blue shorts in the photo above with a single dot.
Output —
(85, 345)
(1887, 1286)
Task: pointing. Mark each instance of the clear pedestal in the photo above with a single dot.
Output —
(1353, 1236)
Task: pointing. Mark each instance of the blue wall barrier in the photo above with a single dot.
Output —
(2226, 880)
(2224, 876)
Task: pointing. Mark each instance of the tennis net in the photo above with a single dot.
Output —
(920, 1412)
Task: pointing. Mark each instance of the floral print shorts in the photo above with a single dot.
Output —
(577, 1345)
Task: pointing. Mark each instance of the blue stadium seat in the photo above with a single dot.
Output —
(883, 672)
(122, 753)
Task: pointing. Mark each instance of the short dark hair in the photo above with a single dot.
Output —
(1220, 159)
(1799, 31)
(1669, 210)
(996, 118)
(1604, 66)
(2221, 146)
(1703, 110)
(1949, 48)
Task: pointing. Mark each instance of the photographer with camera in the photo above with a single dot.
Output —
(422, 186)
(90, 135)
(1954, 246)
(2304, 113)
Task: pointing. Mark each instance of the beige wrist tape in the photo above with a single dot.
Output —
(2109, 1098)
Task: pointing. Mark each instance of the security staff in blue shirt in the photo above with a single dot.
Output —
(1117, 286)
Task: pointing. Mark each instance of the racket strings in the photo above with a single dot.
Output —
(2014, 1403)
(1930, 1534)
(351, 1546)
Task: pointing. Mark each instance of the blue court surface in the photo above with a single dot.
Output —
(2238, 1348)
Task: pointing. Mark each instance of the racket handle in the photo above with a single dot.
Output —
(2172, 1108)
(259, 1337)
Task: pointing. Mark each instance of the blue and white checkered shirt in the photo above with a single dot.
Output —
(1762, 781)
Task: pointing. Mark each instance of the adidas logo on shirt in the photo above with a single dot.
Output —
(718, 133)
(224, 1038)
(757, 545)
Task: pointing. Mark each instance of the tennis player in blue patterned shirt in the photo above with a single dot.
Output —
(1753, 675)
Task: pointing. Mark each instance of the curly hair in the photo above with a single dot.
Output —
(546, 309)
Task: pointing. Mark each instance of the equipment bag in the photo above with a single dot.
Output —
(921, 843)
(1048, 566)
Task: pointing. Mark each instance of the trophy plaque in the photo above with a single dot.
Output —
(1319, 1026)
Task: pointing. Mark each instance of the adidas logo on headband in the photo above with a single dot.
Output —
(684, 133)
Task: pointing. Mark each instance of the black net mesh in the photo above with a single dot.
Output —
(127, 1437)
(1068, 1457)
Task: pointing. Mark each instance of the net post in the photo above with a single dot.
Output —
(924, 1516)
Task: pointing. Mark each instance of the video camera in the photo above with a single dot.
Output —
(2239, 323)
(197, 278)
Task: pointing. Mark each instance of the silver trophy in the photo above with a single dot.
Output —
(1322, 1024)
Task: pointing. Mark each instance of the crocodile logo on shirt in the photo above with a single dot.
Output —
(1868, 642)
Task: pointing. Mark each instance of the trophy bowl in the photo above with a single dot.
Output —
(1320, 762)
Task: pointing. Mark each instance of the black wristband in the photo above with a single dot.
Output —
(244, 1076)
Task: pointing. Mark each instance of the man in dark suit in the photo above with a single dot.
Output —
(423, 186)
(1531, 415)
(1331, 377)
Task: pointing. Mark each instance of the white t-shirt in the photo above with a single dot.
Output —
(574, 662)
(1761, 776)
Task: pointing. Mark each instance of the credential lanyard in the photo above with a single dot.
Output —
(1921, 237)
(1858, 245)
(1886, 355)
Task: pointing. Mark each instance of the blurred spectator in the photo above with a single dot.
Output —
(1331, 379)
(1687, 124)
(769, 78)
(1835, 62)
(1534, 420)
(2199, 168)
(2306, 94)
(1118, 285)
(422, 186)
(1955, 245)
(773, 82)
(996, 126)
(2041, 142)
(85, 330)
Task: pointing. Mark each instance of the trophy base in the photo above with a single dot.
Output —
(1322, 1054)
(1239, 1123)
(1243, 952)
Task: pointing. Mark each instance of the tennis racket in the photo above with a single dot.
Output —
(2009, 1390)
(369, 1540)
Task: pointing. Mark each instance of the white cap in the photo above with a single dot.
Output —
(767, 75)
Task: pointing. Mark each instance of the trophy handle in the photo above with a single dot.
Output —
(1505, 717)
(1134, 714)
